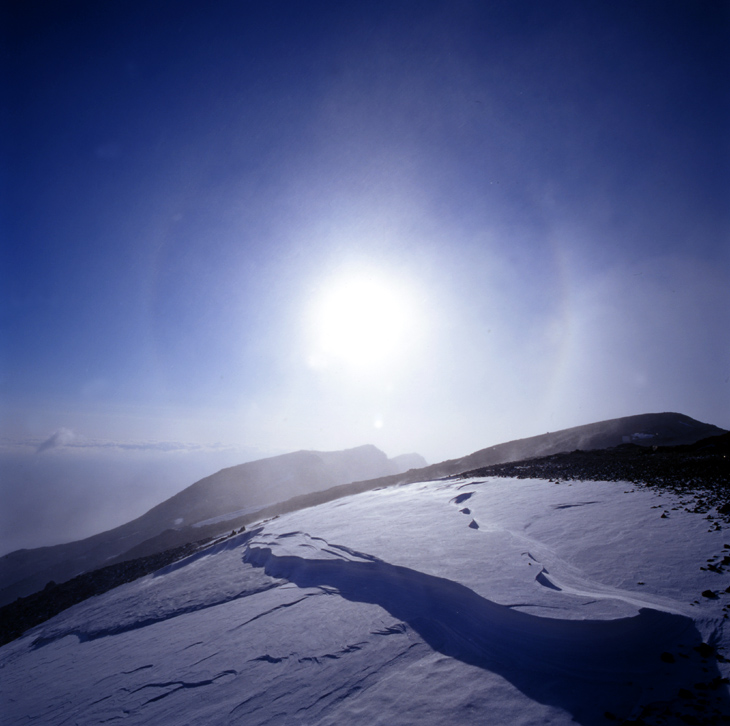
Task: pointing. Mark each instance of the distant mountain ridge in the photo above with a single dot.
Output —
(256, 484)
(245, 493)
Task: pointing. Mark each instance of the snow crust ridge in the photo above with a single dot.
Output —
(617, 659)
(179, 589)
(85, 635)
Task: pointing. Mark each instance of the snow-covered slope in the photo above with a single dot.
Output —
(494, 601)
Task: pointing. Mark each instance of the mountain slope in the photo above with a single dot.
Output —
(650, 429)
(460, 602)
(699, 473)
(647, 430)
(246, 487)
(243, 494)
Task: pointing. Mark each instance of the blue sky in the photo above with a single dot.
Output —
(545, 185)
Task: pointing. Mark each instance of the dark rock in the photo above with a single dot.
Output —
(705, 650)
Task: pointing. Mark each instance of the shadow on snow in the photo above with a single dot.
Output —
(588, 668)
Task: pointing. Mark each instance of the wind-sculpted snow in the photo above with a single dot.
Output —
(547, 659)
(567, 603)
(203, 580)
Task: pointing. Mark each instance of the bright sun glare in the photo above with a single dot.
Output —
(361, 321)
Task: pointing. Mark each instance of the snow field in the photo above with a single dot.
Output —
(389, 608)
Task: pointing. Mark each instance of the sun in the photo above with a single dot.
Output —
(362, 321)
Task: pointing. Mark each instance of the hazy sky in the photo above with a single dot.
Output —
(231, 229)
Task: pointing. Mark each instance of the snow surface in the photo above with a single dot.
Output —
(494, 601)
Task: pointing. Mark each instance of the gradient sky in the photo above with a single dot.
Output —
(537, 193)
